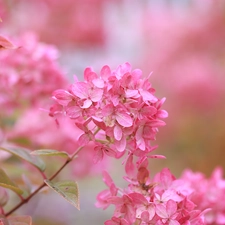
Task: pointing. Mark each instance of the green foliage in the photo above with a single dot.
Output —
(7, 183)
(67, 189)
(24, 153)
(49, 152)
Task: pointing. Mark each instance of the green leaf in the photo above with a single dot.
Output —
(20, 220)
(7, 183)
(49, 152)
(67, 189)
(24, 153)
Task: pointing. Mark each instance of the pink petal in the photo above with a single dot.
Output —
(124, 119)
(161, 211)
(96, 95)
(102, 199)
(171, 207)
(110, 222)
(145, 216)
(121, 145)
(62, 97)
(136, 73)
(129, 166)
(107, 178)
(138, 198)
(132, 93)
(105, 72)
(115, 200)
(86, 104)
(73, 112)
(117, 132)
(107, 110)
(147, 96)
(157, 123)
(83, 139)
(139, 139)
(148, 133)
(141, 143)
(110, 152)
(166, 177)
(80, 89)
(174, 222)
(98, 156)
(130, 213)
(151, 211)
(89, 74)
(148, 111)
(162, 114)
(99, 83)
(124, 68)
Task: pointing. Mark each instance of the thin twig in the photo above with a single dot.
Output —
(25, 200)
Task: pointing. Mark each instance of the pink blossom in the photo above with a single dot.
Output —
(67, 18)
(29, 74)
(113, 110)
(168, 213)
(124, 206)
(208, 193)
(103, 196)
(117, 221)
(156, 201)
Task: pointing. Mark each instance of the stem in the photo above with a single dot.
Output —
(25, 200)
(97, 130)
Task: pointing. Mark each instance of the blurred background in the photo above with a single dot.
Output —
(180, 41)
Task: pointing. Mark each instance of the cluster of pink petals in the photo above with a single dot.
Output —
(29, 74)
(117, 111)
(208, 193)
(162, 200)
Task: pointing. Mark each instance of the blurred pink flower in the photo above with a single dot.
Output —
(29, 74)
(79, 22)
(208, 193)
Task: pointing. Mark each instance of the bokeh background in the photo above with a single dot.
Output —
(180, 41)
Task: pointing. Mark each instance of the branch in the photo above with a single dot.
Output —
(25, 200)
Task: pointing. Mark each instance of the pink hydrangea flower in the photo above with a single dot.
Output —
(160, 200)
(29, 74)
(111, 109)
(208, 193)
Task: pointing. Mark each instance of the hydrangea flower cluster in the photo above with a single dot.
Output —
(116, 110)
(208, 193)
(160, 200)
(29, 74)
